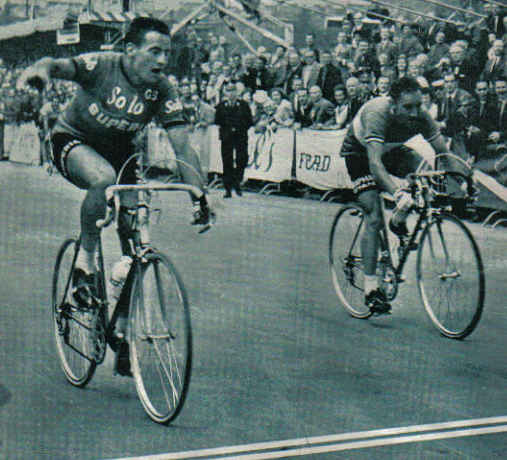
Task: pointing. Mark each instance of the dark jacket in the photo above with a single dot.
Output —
(329, 77)
(233, 120)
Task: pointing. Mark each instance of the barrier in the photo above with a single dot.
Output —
(22, 143)
(313, 158)
(318, 162)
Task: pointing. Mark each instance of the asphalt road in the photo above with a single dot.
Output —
(276, 357)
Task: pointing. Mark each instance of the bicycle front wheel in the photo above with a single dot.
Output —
(450, 276)
(73, 329)
(160, 338)
(345, 261)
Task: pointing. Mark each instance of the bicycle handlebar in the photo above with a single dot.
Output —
(412, 178)
(113, 192)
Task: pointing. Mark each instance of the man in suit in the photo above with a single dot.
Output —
(465, 70)
(329, 76)
(234, 118)
(294, 71)
(302, 116)
(451, 98)
(311, 69)
(322, 110)
(495, 65)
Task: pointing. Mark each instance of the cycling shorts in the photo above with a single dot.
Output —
(398, 162)
(116, 156)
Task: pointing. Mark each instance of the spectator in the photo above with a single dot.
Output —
(249, 76)
(294, 71)
(329, 76)
(302, 111)
(310, 71)
(278, 66)
(216, 50)
(410, 44)
(453, 96)
(386, 47)
(321, 111)
(342, 107)
(496, 63)
(401, 67)
(263, 77)
(237, 69)
(383, 87)
(428, 104)
(414, 71)
(465, 71)
(310, 46)
(499, 135)
(438, 50)
(284, 115)
(354, 95)
(342, 51)
(234, 118)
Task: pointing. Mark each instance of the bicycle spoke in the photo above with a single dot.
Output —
(160, 339)
(450, 276)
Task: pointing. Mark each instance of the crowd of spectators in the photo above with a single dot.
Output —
(461, 67)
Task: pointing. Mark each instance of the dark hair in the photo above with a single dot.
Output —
(404, 85)
(140, 26)
(500, 78)
(340, 87)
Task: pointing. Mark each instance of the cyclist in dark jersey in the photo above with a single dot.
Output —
(118, 94)
(370, 157)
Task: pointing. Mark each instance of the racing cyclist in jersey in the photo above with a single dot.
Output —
(118, 95)
(371, 155)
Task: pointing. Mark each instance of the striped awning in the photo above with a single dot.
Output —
(88, 17)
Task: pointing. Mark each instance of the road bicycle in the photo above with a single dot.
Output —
(449, 268)
(149, 328)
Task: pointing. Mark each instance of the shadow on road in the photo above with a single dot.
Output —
(5, 395)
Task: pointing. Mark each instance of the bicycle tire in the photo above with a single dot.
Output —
(160, 338)
(345, 261)
(75, 344)
(447, 240)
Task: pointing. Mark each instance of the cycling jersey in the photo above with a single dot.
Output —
(376, 122)
(108, 109)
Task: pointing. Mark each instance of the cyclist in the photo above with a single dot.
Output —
(118, 94)
(370, 153)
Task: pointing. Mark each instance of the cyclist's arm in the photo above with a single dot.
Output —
(46, 69)
(375, 151)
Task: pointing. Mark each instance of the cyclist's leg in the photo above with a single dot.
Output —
(370, 201)
(190, 169)
(90, 171)
(190, 165)
(368, 196)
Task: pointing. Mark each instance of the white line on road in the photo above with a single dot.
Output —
(388, 436)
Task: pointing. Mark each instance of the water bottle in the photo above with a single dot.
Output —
(119, 274)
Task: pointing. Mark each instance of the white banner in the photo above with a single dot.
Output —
(269, 154)
(318, 160)
(22, 143)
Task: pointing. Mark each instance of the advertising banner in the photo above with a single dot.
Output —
(269, 154)
(318, 162)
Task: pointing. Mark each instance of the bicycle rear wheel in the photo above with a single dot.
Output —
(73, 329)
(160, 338)
(345, 260)
(450, 276)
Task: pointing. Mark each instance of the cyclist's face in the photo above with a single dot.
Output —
(408, 107)
(149, 58)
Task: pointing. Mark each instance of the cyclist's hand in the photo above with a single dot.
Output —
(37, 77)
(403, 199)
